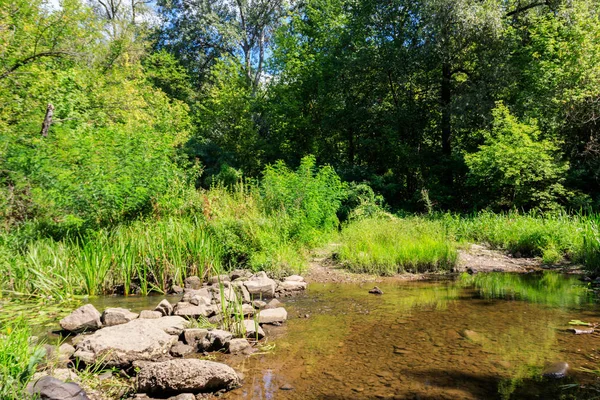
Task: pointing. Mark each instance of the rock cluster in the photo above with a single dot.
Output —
(154, 344)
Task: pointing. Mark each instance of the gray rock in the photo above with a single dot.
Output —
(117, 316)
(190, 294)
(49, 388)
(253, 330)
(183, 396)
(184, 309)
(261, 285)
(58, 356)
(241, 289)
(291, 286)
(556, 371)
(273, 304)
(181, 350)
(247, 309)
(272, 315)
(581, 331)
(240, 273)
(259, 304)
(85, 318)
(164, 307)
(294, 278)
(185, 375)
(176, 289)
(192, 282)
(376, 290)
(194, 336)
(121, 345)
(218, 278)
(149, 314)
(236, 346)
(217, 339)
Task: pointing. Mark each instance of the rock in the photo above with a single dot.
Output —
(189, 310)
(215, 280)
(85, 318)
(294, 278)
(273, 304)
(62, 374)
(60, 356)
(246, 298)
(217, 339)
(194, 336)
(472, 336)
(247, 309)
(291, 286)
(239, 273)
(376, 290)
(556, 371)
(261, 285)
(581, 331)
(175, 289)
(253, 330)
(287, 386)
(273, 315)
(183, 396)
(117, 316)
(181, 350)
(121, 345)
(49, 388)
(164, 307)
(148, 314)
(192, 282)
(259, 304)
(185, 375)
(236, 346)
(471, 271)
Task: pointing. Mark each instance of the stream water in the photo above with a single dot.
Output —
(483, 337)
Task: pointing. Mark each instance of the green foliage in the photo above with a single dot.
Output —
(516, 167)
(18, 359)
(390, 246)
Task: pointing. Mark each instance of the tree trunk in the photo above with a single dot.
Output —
(446, 99)
(47, 120)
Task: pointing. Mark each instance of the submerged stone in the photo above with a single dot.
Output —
(556, 371)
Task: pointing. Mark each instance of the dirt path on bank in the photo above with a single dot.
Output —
(474, 258)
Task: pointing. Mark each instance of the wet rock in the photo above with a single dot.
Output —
(253, 330)
(121, 345)
(472, 335)
(215, 280)
(218, 339)
(191, 311)
(291, 286)
(239, 273)
(185, 375)
(273, 315)
(581, 330)
(556, 371)
(117, 316)
(85, 318)
(164, 307)
(192, 282)
(273, 304)
(149, 314)
(376, 290)
(261, 285)
(194, 336)
(287, 386)
(49, 388)
(236, 346)
(181, 350)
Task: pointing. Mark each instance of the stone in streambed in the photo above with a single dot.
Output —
(164, 307)
(185, 375)
(181, 350)
(236, 346)
(581, 331)
(184, 309)
(253, 330)
(215, 280)
(217, 339)
(294, 278)
(291, 286)
(272, 316)
(376, 290)
(261, 285)
(274, 303)
(192, 282)
(195, 336)
(149, 314)
(140, 339)
(49, 388)
(117, 316)
(85, 318)
(556, 371)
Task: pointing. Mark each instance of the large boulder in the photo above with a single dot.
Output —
(260, 285)
(272, 316)
(49, 388)
(185, 376)
(117, 316)
(85, 318)
(140, 339)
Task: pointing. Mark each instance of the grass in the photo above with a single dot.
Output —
(389, 246)
(18, 359)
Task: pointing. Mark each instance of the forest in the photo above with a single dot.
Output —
(145, 141)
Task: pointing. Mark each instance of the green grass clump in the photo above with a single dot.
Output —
(389, 246)
(18, 359)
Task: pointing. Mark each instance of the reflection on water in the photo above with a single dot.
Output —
(436, 340)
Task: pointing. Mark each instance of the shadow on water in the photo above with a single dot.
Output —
(481, 337)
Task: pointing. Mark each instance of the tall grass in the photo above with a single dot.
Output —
(18, 359)
(389, 246)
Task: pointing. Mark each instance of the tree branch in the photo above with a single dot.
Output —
(32, 58)
(527, 7)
